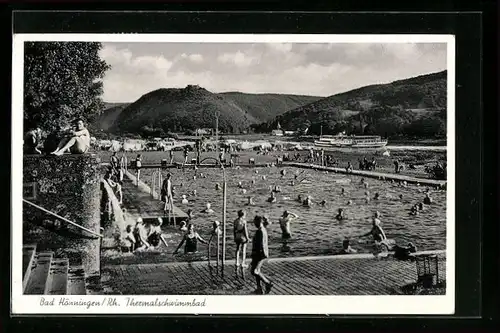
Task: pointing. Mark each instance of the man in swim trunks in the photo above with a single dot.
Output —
(285, 220)
(166, 192)
(77, 142)
(260, 253)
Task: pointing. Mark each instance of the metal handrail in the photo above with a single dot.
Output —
(62, 218)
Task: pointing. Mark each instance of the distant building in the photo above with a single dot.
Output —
(203, 131)
(289, 133)
(277, 132)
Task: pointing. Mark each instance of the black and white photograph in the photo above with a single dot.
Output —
(218, 173)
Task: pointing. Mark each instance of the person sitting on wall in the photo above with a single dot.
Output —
(32, 140)
(114, 184)
(77, 141)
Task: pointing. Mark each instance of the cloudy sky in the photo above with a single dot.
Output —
(299, 68)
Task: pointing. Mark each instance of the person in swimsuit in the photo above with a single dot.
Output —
(260, 252)
(340, 215)
(208, 209)
(141, 235)
(154, 234)
(171, 156)
(129, 239)
(272, 198)
(167, 192)
(32, 140)
(307, 202)
(427, 199)
(138, 165)
(77, 141)
(241, 238)
(376, 232)
(114, 162)
(114, 184)
(285, 220)
(191, 239)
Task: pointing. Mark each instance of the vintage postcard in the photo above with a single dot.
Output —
(233, 174)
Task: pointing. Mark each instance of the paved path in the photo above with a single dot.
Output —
(333, 275)
(371, 174)
(139, 202)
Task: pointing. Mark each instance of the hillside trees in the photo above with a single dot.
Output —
(62, 81)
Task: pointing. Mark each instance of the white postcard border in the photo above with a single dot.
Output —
(269, 304)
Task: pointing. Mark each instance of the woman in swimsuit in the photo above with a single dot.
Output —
(241, 237)
(191, 239)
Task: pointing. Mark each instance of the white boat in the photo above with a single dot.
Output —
(350, 141)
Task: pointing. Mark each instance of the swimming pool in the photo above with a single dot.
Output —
(316, 231)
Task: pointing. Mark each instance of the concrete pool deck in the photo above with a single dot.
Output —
(362, 274)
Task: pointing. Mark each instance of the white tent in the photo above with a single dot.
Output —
(115, 145)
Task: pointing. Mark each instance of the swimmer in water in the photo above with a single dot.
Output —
(277, 188)
(421, 206)
(217, 186)
(342, 191)
(256, 171)
(190, 214)
(400, 197)
(346, 247)
(194, 193)
(194, 177)
(183, 226)
(349, 202)
(283, 173)
(307, 202)
(208, 209)
(366, 185)
(284, 221)
(250, 201)
(243, 191)
(427, 199)
(414, 210)
(367, 199)
(292, 183)
(340, 215)
(362, 181)
(253, 181)
(263, 177)
(377, 196)
(296, 177)
(240, 185)
(323, 203)
(184, 200)
(299, 198)
(376, 232)
(272, 198)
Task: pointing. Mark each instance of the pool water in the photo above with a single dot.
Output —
(316, 231)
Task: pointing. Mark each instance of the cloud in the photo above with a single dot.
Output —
(238, 59)
(320, 69)
(196, 58)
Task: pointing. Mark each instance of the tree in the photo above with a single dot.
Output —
(62, 81)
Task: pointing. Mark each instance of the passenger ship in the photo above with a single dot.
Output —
(350, 141)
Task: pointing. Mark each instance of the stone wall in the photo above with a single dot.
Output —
(69, 186)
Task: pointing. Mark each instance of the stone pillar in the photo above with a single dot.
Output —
(69, 186)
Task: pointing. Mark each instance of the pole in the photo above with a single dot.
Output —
(159, 183)
(224, 222)
(217, 133)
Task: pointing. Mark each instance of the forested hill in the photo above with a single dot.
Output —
(414, 106)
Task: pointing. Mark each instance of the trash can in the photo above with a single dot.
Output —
(427, 270)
